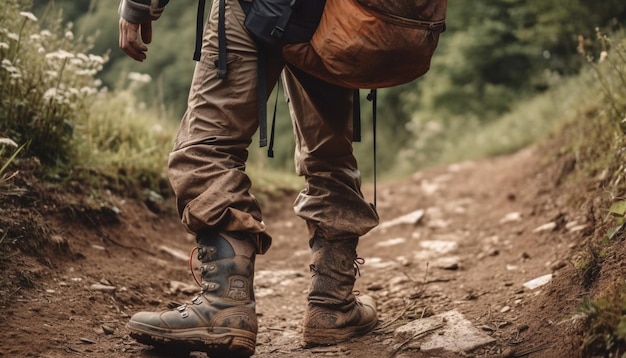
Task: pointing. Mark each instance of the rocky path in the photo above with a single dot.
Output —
(450, 266)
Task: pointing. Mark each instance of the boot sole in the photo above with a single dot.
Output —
(221, 342)
(330, 336)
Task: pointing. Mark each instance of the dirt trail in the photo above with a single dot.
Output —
(476, 237)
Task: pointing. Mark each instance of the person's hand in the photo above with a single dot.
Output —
(129, 42)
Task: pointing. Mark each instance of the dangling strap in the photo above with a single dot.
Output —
(372, 97)
(270, 148)
(356, 116)
(199, 30)
(221, 40)
(261, 90)
(283, 20)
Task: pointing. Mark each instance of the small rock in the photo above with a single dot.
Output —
(445, 332)
(177, 286)
(102, 288)
(510, 217)
(538, 282)
(87, 341)
(558, 265)
(511, 268)
(545, 227)
(375, 287)
(177, 254)
(108, 330)
(412, 218)
(505, 309)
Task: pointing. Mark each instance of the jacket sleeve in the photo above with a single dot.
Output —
(141, 11)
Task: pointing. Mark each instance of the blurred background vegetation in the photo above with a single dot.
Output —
(504, 72)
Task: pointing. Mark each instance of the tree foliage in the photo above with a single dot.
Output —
(493, 54)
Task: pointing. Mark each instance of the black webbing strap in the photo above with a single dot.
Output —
(199, 30)
(372, 98)
(283, 20)
(356, 116)
(261, 90)
(270, 148)
(221, 41)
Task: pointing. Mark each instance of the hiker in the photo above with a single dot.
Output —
(206, 169)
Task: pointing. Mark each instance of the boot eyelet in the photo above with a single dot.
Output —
(210, 286)
(201, 252)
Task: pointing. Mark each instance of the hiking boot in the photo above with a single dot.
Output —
(334, 314)
(221, 320)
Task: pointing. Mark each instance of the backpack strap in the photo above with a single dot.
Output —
(372, 97)
(199, 30)
(221, 40)
(356, 116)
(221, 36)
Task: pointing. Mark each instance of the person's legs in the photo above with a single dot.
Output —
(207, 173)
(332, 205)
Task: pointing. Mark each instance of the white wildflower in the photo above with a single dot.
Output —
(603, 56)
(35, 37)
(97, 82)
(76, 62)
(14, 72)
(8, 141)
(6, 62)
(13, 36)
(83, 57)
(86, 90)
(29, 15)
(45, 33)
(41, 50)
(4, 46)
(96, 59)
(50, 93)
(86, 72)
(139, 77)
(52, 74)
(60, 54)
(69, 35)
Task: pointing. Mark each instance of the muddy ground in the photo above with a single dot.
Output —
(478, 232)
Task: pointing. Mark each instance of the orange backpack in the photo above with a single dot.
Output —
(371, 43)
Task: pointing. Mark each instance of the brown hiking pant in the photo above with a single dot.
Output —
(207, 164)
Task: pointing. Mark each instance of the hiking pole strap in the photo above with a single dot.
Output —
(199, 30)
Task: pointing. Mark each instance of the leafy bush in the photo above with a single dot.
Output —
(600, 149)
(45, 79)
(53, 104)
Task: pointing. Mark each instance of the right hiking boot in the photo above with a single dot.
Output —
(334, 314)
(221, 320)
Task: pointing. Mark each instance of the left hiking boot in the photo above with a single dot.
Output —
(221, 320)
(334, 314)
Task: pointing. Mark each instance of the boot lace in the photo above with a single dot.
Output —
(193, 274)
(357, 262)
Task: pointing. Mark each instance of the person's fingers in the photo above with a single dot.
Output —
(128, 41)
(146, 32)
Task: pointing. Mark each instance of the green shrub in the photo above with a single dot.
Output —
(46, 76)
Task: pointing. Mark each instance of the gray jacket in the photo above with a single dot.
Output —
(141, 11)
